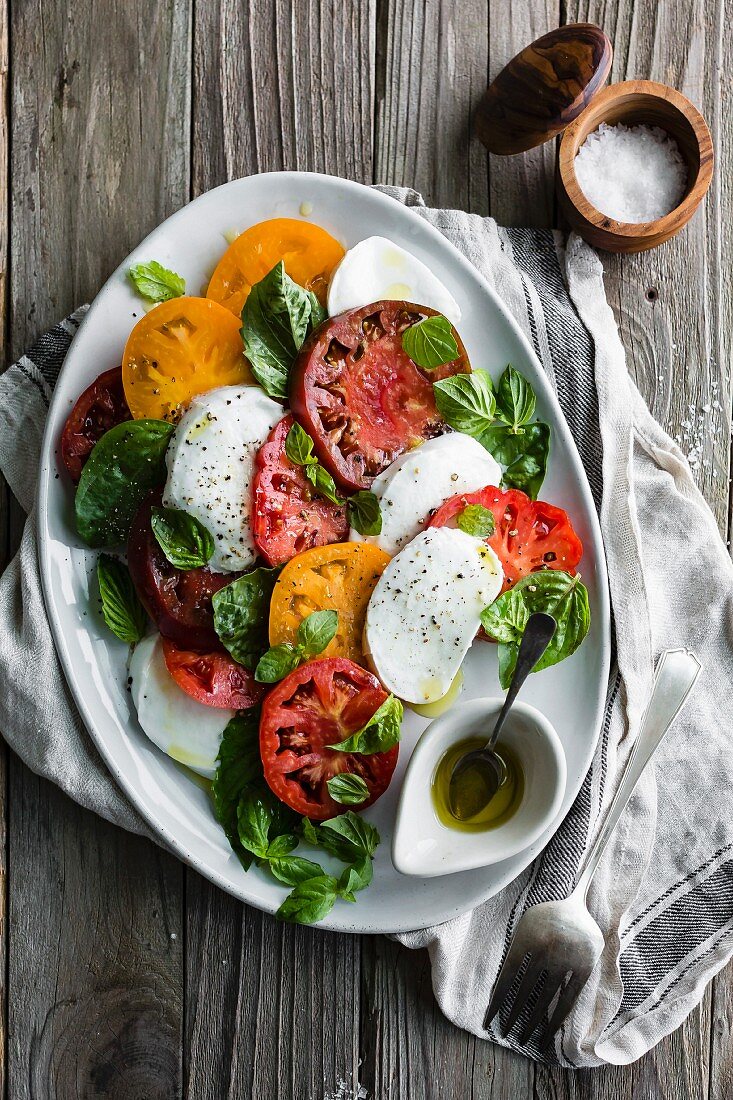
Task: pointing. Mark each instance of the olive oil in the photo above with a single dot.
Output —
(502, 806)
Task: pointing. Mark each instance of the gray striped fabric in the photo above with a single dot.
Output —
(664, 892)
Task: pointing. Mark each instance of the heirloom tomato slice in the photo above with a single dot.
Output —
(529, 535)
(214, 678)
(359, 395)
(339, 578)
(288, 515)
(309, 253)
(179, 349)
(177, 600)
(320, 704)
(102, 406)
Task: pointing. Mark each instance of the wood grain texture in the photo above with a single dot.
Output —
(100, 133)
(521, 188)
(282, 85)
(279, 86)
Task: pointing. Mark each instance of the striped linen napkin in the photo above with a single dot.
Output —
(663, 894)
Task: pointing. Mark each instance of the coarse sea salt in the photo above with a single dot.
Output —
(631, 173)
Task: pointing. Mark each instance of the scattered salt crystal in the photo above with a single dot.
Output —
(631, 173)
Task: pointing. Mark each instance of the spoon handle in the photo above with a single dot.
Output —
(535, 640)
(676, 673)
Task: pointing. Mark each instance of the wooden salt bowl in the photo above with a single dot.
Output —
(634, 102)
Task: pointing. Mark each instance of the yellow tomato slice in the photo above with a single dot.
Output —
(310, 254)
(340, 577)
(181, 348)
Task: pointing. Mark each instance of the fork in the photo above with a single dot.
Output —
(560, 939)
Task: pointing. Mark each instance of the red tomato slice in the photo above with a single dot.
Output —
(320, 704)
(529, 534)
(361, 397)
(212, 678)
(288, 515)
(178, 601)
(102, 406)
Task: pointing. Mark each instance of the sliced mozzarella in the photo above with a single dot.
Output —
(182, 727)
(376, 269)
(211, 462)
(425, 611)
(418, 482)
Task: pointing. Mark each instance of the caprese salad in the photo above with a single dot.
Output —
(323, 505)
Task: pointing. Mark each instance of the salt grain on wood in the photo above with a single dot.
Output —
(631, 173)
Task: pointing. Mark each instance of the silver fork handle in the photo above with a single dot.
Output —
(676, 673)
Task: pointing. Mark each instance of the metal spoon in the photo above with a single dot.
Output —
(477, 776)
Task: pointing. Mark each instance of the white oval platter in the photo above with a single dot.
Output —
(571, 694)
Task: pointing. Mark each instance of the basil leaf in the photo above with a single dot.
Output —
(318, 313)
(277, 663)
(322, 482)
(364, 513)
(126, 463)
(254, 817)
(123, 613)
(275, 321)
(183, 539)
(310, 901)
(515, 399)
(355, 878)
(349, 837)
(241, 612)
(524, 456)
(316, 631)
(477, 521)
(299, 446)
(239, 767)
(466, 402)
(553, 591)
(293, 870)
(430, 342)
(310, 832)
(281, 846)
(348, 789)
(155, 282)
(381, 732)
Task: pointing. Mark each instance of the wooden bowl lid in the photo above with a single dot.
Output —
(543, 89)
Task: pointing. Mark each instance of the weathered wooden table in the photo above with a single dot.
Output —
(124, 974)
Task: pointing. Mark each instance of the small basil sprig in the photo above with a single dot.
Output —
(299, 449)
(364, 513)
(381, 733)
(476, 520)
(515, 399)
(500, 422)
(314, 633)
(241, 612)
(184, 540)
(558, 594)
(155, 282)
(124, 466)
(362, 508)
(276, 318)
(123, 613)
(348, 789)
(430, 343)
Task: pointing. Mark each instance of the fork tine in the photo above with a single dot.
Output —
(527, 984)
(505, 979)
(567, 999)
(537, 1015)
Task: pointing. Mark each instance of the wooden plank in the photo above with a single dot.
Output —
(100, 155)
(521, 188)
(433, 61)
(282, 86)
(271, 1010)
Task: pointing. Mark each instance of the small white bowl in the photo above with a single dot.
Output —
(422, 845)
